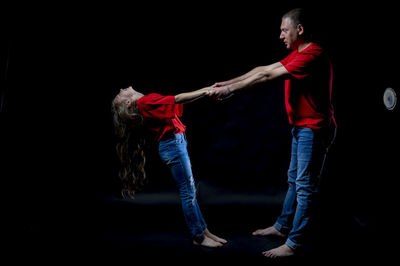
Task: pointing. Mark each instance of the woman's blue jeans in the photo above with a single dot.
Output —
(309, 150)
(173, 152)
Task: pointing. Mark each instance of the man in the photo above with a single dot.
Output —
(308, 85)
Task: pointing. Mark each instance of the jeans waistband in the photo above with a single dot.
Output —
(171, 135)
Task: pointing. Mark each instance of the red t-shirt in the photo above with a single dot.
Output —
(308, 91)
(160, 114)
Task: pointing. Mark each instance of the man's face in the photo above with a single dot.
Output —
(289, 34)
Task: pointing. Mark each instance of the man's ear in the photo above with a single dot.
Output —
(300, 29)
(128, 102)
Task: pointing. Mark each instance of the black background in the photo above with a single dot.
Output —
(66, 63)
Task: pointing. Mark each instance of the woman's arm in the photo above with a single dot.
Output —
(191, 96)
(248, 74)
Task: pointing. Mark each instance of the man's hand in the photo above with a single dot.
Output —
(220, 84)
(220, 93)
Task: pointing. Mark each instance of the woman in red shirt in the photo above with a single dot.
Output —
(155, 116)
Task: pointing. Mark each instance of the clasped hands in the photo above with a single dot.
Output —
(219, 91)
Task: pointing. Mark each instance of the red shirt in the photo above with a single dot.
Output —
(160, 114)
(308, 91)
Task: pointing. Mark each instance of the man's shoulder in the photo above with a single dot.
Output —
(314, 49)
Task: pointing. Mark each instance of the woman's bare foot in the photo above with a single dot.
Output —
(279, 252)
(208, 242)
(269, 231)
(214, 237)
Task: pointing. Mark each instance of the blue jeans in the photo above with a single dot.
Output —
(309, 150)
(173, 152)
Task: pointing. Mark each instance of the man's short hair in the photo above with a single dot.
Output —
(304, 17)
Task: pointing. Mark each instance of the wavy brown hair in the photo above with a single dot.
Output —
(128, 126)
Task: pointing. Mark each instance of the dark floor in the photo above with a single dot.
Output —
(151, 229)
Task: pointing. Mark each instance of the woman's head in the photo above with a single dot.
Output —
(124, 109)
(127, 96)
(128, 125)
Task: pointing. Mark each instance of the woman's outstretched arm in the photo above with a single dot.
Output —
(191, 96)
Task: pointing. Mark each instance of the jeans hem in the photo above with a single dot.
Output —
(282, 229)
(292, 244)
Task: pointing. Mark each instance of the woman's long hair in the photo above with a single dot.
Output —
(128, 125)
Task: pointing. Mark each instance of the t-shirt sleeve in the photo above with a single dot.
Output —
(159, 106)
(300, 65)
(284, 61)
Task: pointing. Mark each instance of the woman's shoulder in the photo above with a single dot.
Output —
(156, 98)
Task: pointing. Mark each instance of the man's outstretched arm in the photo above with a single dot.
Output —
(258, 77)
(248, 74)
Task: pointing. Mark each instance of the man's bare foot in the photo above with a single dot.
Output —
(214, 237)
(269, 231)
(279, 252)
(208, 242)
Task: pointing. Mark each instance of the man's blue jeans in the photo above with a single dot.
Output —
(309, 150)
(173, 152)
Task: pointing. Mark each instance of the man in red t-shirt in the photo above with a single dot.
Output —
(308, 86)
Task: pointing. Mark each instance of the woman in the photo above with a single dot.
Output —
(157, 116)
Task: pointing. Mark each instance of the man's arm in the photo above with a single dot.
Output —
(248, 74)
(191, 96)
(259, 77)
(262, 76)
